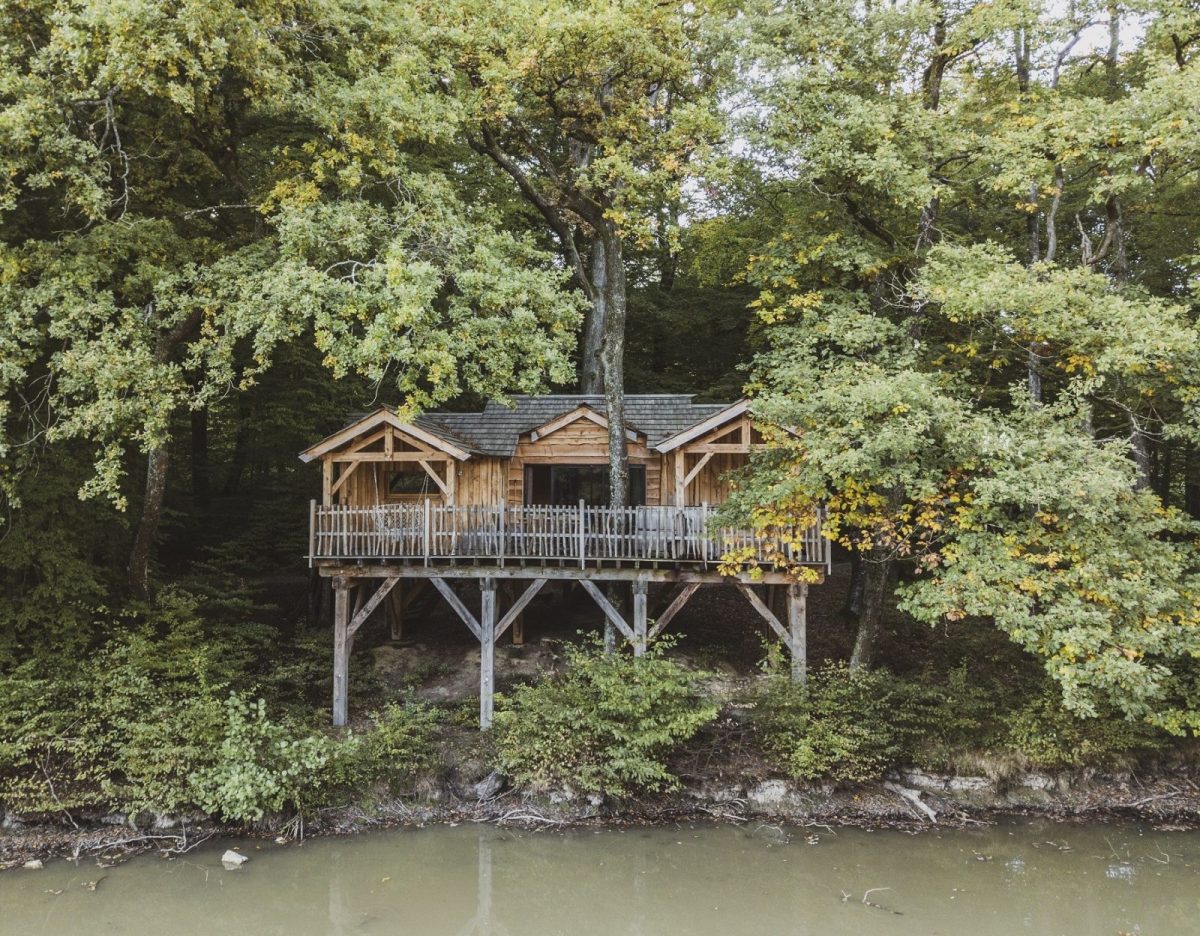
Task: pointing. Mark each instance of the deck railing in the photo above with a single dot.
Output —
(587, 536)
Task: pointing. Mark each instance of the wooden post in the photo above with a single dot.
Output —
(582, 533)
(341, 648)
(312, 531)
(640, 589)
(798, 626)
(396, 617)
(487, 651)
(518, 625)
(426, 531)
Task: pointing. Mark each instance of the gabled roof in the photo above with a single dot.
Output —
(724, 415)
(496, 429)
(583, 411)
(361, 425)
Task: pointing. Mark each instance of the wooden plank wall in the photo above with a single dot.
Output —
(582, 442)
(481, 480)
(708, 486)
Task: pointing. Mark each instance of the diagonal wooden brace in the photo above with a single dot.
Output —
(757, 604)
(461, 609)
(360, 618)
(519, 606)
(606, 606)
(673, 608)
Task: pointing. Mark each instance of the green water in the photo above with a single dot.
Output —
(1033, 877)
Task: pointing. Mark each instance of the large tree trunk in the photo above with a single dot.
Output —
(877, 572)
(147, 531)
(609, 283)
(854, 592)
(1141, 453)
(591, 364)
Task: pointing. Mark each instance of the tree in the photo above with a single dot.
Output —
(598, 112)
(183, 191)
(888, 130)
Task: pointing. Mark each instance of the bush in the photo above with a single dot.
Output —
(120, 729)
(261, 765)
(845, 724)
(605, 725)
(1043, 734)
(398, 747)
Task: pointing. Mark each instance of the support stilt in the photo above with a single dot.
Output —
(639, 617)
(797, 599)
(513, 596)
(396, 612)
(341, 648)
(487, 651)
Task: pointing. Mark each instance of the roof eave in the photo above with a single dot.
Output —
(373, 419)
(708, 424)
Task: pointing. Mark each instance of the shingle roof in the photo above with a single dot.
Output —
(496, 429)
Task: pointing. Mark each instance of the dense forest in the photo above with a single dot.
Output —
(950, 249)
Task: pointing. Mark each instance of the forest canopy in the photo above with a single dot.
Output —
(950, 249)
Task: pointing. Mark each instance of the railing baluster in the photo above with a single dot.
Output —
(421, 531)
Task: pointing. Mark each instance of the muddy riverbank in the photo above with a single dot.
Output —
(906, 799)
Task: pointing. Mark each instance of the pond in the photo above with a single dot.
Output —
(1019, 877)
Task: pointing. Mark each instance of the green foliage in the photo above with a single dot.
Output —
(1042, 734)
(398, 747)
(122, 727)
(185, 193)
(852, 725)
(982, 402)
(844, 725)
(160, 719)
(261, 765)
(606, 724)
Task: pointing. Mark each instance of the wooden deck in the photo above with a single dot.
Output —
(579, 536)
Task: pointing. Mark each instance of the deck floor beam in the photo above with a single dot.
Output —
(377, 569)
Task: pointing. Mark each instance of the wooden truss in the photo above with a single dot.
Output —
(490, 625)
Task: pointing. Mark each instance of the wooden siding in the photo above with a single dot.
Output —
(481, 480)
(581, 442)
(490, 480)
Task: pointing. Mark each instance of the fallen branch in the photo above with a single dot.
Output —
(1150, 799)
(913, 797)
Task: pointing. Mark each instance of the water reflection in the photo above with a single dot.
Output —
(695, 880)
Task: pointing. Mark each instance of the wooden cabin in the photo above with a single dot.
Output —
(520, 491)
(544, 450)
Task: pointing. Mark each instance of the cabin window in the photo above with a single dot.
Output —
(569, 484)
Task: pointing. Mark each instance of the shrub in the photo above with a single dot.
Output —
(121, 729)
(397, 748)
(845, 724)
(261, 765)
(604, 725)
(1043, 734)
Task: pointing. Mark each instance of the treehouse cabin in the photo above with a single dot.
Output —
(519, 492)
